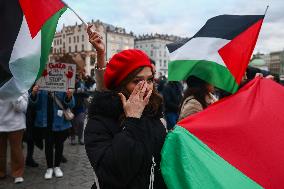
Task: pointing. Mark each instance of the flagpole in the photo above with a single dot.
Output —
(85, 23)
(266, 10)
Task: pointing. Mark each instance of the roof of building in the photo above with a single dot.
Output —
(151, 36)
(107, 27)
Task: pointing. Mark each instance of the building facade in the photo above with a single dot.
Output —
(117, 40)
(74, 41)
(276, 63)
(154, 46)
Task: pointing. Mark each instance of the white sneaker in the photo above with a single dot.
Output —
(48, 174)
(19, 180)
(58, 172)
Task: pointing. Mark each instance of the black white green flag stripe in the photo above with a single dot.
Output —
(26, 36)
(218, 53)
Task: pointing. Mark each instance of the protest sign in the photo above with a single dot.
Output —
(58, 77)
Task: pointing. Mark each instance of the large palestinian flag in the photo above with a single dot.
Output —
(218, 53)
(27, 31)
(237, 143)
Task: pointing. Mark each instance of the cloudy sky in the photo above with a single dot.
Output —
(180, 17)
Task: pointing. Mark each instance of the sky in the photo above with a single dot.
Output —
(179, 17)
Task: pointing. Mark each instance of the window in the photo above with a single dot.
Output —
(60, 41)
(93, 60)
(82, 47)
(77, 39)
(63, 44)
(160, 63)
(83, 38)
(75, 48)
(92, 72)
(151, 53)
(60, 50)
(74, 39)
(69, 49)
(165, 63)
(63, 36)
(69, 39)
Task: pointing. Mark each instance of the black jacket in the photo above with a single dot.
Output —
(172, 94)
(121, 153)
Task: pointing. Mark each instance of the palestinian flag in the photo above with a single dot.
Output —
(236, 143)
(27, 31)
(218, 53)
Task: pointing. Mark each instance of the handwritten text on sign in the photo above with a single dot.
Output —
(58, 77)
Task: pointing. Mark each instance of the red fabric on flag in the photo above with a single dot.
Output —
(247, 130)
(236, 54)
(37, 12)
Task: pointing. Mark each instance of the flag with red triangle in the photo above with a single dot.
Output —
(236, 143)
(218, 53)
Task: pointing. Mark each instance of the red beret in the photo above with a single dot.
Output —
(122, 64)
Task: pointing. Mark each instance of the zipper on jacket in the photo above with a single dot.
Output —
(152, 174)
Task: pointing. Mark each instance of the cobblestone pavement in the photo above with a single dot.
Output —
(77, 172)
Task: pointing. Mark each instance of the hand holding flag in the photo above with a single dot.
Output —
(96, 40)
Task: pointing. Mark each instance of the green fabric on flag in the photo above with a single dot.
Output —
(47, 35)
(209, 71)
(188, 163)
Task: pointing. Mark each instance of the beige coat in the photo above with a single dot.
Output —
(191, 106)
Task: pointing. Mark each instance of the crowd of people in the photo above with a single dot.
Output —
(127, 120)
(37, 119)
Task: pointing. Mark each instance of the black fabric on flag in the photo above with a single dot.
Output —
(11, 18)
(223, 26)
(227, 26)
(173, 46)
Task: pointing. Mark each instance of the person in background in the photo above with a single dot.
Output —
(52, 125)
(89, 82)
(197, 97)
(172, 95)
(12, 126)
(80, 95)
(29, 137)
(161, 82)
(124, 133)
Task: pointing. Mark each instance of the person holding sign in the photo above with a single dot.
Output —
(124, 134)
(52, 124)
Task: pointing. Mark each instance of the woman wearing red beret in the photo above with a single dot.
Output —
(124, 134)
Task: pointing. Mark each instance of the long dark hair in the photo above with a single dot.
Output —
(155, 103)
(198, 89)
